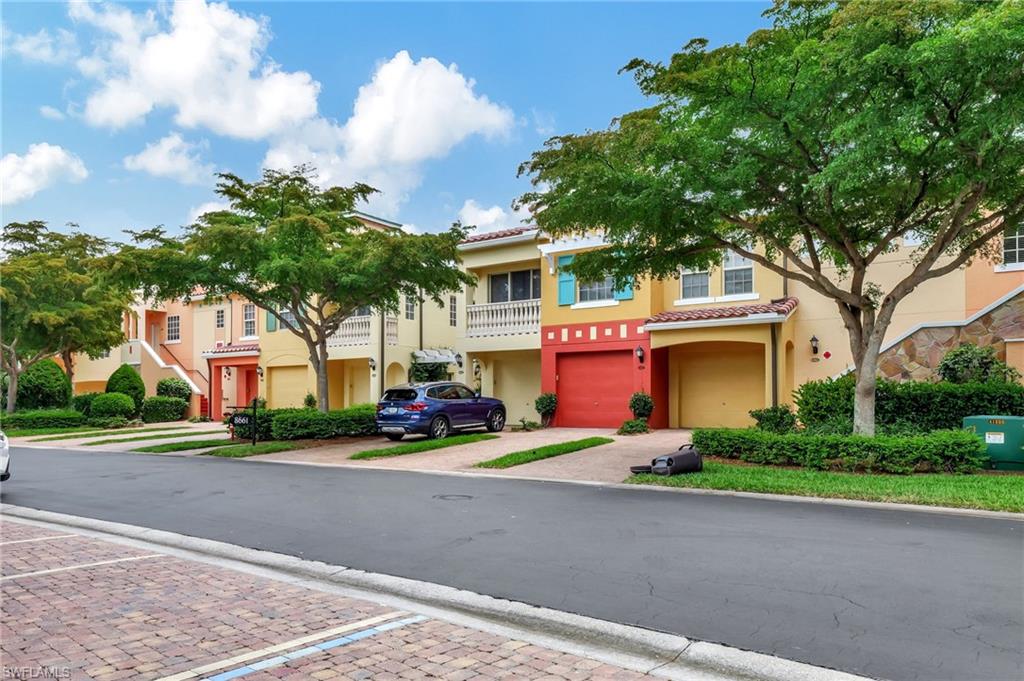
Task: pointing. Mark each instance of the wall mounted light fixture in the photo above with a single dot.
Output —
(640, 353)
(476, 367)
(259, 371)
(814, 345)
(373, 364)
(458, 359)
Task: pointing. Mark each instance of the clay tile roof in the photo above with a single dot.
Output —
(499, 234)
(225, 349)
(778, 306)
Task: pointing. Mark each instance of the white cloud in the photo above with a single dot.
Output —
(44, 47)
(208, 207)
(42, 166)
(409, 113)
(204, 61)
(54, 114)
(175, 158)
(491, 219)
(543, 122)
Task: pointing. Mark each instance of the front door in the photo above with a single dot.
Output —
(154, 338)
(251, 385)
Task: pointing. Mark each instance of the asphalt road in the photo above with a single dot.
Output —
(888, 594)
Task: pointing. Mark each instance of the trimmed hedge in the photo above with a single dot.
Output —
(83, 402)
(264, 420)
(159, 409)
(44, 385)
(126, 380)
(112, 404)
(778, 419)
(42, 418)
(304, 424)
(951, 451)
(173, 387)
(911, 405)
(108, 421)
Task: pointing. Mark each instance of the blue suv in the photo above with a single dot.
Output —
(436, 409)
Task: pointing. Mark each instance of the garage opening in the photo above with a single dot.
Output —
(716, 384)
(594, 388)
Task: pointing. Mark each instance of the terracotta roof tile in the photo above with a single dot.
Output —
(499, 234)
(224, 349)
(778, 306)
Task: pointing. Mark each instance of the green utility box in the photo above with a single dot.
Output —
(1004, 439)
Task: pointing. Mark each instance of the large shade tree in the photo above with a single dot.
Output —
(55, 299)
(813, 149)
(297, 251)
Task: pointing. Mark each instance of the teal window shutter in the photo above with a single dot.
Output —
(271, 321)
(566, 282)
(625, 293)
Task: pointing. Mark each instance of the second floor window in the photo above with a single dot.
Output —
(248, 319)
(518, 285)
(410, 307)
(591, 291)
(453, 311)
(173, 328)
(1013, 246)
(286, 316)
(363, 311)
(218, 317)
(695, 284)
(739, 274)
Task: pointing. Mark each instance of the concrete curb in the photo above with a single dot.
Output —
(644, 650)
(827, 501)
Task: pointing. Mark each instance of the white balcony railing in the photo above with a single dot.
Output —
(503, 319)
(357, 330)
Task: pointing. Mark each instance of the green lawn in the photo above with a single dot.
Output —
(182, 446)
(422, 446)
(110, 431)
(239, 451)
(164, 436)
(986, 491)
(27, 432)
(546, 452)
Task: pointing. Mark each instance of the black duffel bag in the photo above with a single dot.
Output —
(686, 460)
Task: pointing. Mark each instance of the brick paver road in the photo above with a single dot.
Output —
(81, 608)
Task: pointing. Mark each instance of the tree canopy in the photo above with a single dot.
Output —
(298, 252)
(813, 149)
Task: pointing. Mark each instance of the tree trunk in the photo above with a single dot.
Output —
(12, 390)
(68, 358)
(318, 358)
(867, 380)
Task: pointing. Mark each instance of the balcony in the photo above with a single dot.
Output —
(358, 329)
(503, 319)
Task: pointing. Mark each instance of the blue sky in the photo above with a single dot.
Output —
(115, 116)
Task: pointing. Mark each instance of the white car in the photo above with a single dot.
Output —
(5, 458)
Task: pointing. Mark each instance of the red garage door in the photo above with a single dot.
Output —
(594, 388)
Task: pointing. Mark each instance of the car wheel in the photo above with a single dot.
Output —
(496, 421)
(394, 437)
(439, 428)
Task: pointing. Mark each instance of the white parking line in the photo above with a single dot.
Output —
(76, 567)
(25, 541)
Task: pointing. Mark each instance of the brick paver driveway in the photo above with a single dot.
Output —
(81, 608)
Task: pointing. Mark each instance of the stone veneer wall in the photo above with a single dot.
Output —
(917, 356)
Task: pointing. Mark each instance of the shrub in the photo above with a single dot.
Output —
(126, 380)
(42, 418)
(264, 420)
(309, 401)
(642, 405)
(173, 387)
(913, 405)
(952, 451)
(203, 418)
(975, 364)
(83, 402)
(301, 424)
(44, 385)
(108, 421)
(526, 425)
(778, 419)
(159, 409)
(112, 404)
(545, 406)
(634, 426)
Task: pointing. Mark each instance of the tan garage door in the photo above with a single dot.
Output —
(286, 386)
(716, 384)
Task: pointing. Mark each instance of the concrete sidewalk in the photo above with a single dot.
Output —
(176, 431)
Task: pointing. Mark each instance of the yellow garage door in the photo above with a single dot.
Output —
(286, 386)
(716, 384)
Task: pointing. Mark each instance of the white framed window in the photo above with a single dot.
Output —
(592, 291)
(410, 307)
(694, 284)
(173, 328)
(453, 311)
(517, 285)
(363, 311)
(218, 318)
(286, 316)
(1013, 246)
(911, 239)
(738, 273)
(249, 320)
